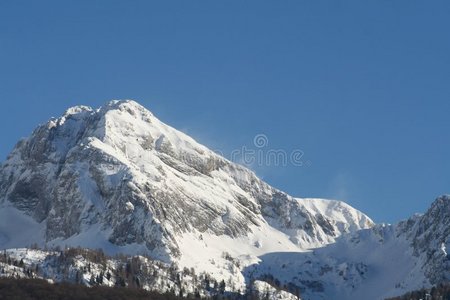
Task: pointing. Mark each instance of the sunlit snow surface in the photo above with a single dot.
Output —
(117, 178)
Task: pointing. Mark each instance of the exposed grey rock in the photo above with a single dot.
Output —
(82, 170)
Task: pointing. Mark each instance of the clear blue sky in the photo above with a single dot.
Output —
(362, 87)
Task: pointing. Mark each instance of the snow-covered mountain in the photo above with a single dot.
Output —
(375, 263)
(119, 179)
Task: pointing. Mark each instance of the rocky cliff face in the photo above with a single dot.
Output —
(430, 238)
(119, 174)
(375, 263)
(119, 179)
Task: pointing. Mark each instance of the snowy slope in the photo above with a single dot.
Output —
(119, 179)
(375, 263)
(117, 176)
(372, 264)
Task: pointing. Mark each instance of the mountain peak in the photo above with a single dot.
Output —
(79, 109)
(114, 104)
(118, 178)
(441, 202)
(130, 106)
(439, 210)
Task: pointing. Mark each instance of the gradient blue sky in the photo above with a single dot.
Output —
(362, 87)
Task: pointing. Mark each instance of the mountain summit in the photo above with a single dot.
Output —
(117, 178)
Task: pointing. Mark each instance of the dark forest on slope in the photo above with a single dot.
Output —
(37, 289)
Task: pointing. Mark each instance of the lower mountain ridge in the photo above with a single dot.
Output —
(191, 222)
